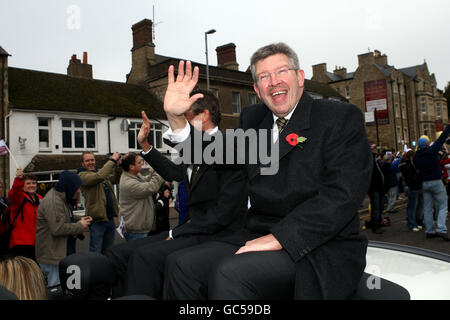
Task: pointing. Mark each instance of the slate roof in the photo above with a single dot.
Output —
(385, 69)
(335, 78)
(411, 71)
(60, 162)
(3, 52)
(38, 90)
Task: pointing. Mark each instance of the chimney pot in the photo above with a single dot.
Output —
(85, 59)
(226, 56)
(142, 33)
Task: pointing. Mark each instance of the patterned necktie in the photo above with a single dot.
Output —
(194, 172)
(281, 123)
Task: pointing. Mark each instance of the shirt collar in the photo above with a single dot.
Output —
(286, 117)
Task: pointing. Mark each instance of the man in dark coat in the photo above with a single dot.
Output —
(302, 234)
(217, 207)
(376, 193)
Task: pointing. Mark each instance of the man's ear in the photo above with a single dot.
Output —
(255, 87)
(206, 116)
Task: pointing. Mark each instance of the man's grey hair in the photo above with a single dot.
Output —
(270, 50)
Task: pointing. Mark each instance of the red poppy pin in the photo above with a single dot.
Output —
(294, 140)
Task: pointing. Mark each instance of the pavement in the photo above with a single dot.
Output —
(398, 232)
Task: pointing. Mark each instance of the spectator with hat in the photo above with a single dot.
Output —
(427, 162)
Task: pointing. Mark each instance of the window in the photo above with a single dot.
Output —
(79, 134)
(405, 135)
(154, 137)
(424, 105)
(347, 92)
(236, 102)
(251, 98)
(44, 133)
(399, 135)
(438, 110)
(425, 129)
(404, 111)
(396, 111)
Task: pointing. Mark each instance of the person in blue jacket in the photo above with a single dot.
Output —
(427, 162)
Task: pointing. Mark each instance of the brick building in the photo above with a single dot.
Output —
(407, 100)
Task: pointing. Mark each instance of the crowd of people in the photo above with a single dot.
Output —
(241, 234)
(422, 175)
(42, 230)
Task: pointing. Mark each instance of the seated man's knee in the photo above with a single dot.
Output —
(81, 273)
(225, 279)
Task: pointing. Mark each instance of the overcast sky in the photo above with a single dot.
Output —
(43, 34)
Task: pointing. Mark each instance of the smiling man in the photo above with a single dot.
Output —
(301, 238)
(101, 202)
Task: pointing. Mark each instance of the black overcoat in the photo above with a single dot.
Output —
(311, 204)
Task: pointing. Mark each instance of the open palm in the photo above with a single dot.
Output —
(177, 100)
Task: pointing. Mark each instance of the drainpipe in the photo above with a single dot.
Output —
(109, 134)
(401, 109)
(5, 121)
(393, 108)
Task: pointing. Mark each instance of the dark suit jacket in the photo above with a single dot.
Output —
(217, 198)
(311, 204)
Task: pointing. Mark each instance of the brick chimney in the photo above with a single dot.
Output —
(380, 59)
(142, 53)
(366, 59)
(320, 73)
(226, 56)
(78, 69)
(341, 72)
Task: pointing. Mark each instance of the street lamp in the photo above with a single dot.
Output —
(206, 46)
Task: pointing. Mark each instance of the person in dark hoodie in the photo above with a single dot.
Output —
(56, 229)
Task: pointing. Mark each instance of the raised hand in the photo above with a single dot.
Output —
(177, 100)
(144, 132)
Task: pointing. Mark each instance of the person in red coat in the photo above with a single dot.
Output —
(24, 204)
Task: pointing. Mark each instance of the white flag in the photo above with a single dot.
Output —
(3, 148)
(121, 230)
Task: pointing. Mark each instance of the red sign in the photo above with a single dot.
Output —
(439, 125)
(375, 96)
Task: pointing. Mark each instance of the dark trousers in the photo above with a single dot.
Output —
(140, 263)
(376, 209)
(212, 271)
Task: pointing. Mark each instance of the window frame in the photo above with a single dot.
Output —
(48, 128)
(74, 128)
(235, 108)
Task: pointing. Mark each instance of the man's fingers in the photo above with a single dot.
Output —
(188, 71)
(243, 249)
(194, 98)
(195, 75)
(180, 75)
(145, 119)
(170, 74)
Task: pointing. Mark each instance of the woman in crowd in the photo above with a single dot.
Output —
(24, 204)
